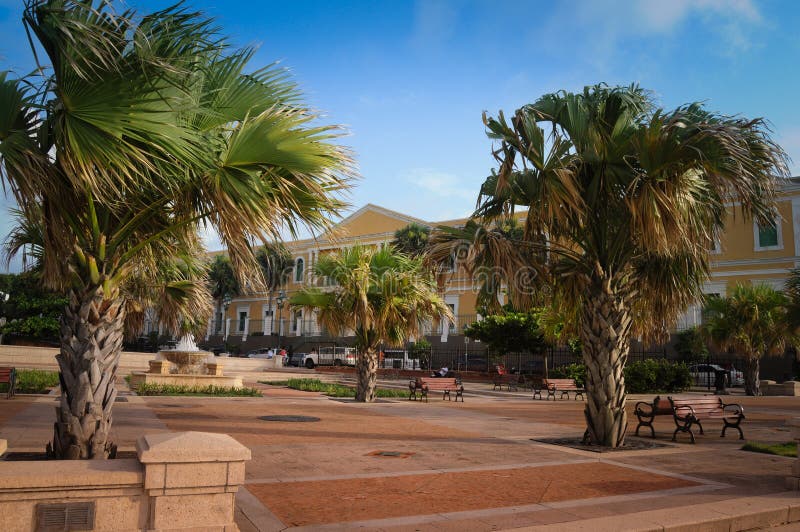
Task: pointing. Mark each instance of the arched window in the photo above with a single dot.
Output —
(298, 271)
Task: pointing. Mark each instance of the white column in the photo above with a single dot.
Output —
(445, 325)
(246, 328)
(210, 325)
(227, 327)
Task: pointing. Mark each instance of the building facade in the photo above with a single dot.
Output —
(745, 253)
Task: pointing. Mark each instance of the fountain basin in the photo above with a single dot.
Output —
(186, 362)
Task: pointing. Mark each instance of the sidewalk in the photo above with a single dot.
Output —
(404, 465)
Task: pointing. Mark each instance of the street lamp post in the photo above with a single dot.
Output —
(280, 300)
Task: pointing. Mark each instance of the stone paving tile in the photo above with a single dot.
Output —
(306, 503)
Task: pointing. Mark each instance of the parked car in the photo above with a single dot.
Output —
(476, 362)
(704, 375)
(295, 359)
(263, 352)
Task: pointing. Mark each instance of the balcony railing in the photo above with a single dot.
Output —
(291, 327)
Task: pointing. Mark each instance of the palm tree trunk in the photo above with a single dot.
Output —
(91, 342)
(367, 375)
(751, 374)
(605, 333)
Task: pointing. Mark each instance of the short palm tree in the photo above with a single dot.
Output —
(380, 294)
(624, 199)
(412, 239)
(142, 131)
(753, 321)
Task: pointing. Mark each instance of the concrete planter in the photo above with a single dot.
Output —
(181, 481)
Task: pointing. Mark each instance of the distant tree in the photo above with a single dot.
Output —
(275, 263)
(691, 346)
(222, 281)
(753, 322)
(512, 332)
(31, 310)
(412, 239)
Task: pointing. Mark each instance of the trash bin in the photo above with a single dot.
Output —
(720, 382)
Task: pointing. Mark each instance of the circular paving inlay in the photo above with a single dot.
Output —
(290, 419)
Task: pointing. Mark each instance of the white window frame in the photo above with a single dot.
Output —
(779, 230)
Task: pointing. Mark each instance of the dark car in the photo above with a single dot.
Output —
(476, 362)
(295, 359)
(530, 367)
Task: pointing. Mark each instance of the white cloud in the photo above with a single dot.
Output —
(434, 22)
(441, 184)
(604, 26)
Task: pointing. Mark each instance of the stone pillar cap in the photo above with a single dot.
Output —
(183, 447)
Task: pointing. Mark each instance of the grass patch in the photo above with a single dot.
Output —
(216, 391)
(275, 383)
(781, 449)
(337, 390)
(33, 381)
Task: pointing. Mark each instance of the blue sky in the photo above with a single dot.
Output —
(410, 80)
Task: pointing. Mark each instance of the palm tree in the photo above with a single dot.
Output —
(754, 321)
(490, 255)
(380, 294)
(275, 263)
(624, 199)
(223, 283)
(412, 239)
(144, 130)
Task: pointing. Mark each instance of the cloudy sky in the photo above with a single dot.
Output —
(410, 80)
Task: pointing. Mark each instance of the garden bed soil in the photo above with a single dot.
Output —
(631, 444)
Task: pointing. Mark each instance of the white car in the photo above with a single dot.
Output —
(262, 353)
(704, 375)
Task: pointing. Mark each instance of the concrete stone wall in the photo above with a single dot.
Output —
(44, 357)
(790, 388)
(179, 482)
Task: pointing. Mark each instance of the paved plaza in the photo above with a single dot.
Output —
(404, 465)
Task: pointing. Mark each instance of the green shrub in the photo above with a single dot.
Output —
(33, 381)
(337, 390)
(176, 389)
(657, 376)
(572, 371)
(645, 376)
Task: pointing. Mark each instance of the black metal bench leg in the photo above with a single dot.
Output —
(701, 427)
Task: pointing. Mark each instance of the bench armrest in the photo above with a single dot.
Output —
(640, 408)
(735, 408)
(688, 411)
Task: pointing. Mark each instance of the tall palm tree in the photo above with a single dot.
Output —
(275, 263)
(754, 321)
(142, 131)
(625, 199)
(379, 293)
(222, 284)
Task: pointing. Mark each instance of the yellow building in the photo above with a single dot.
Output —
(744, 253)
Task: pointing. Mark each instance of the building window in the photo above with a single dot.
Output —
(298, 271)
(242, 320)
(768, 236)
(298, 320)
